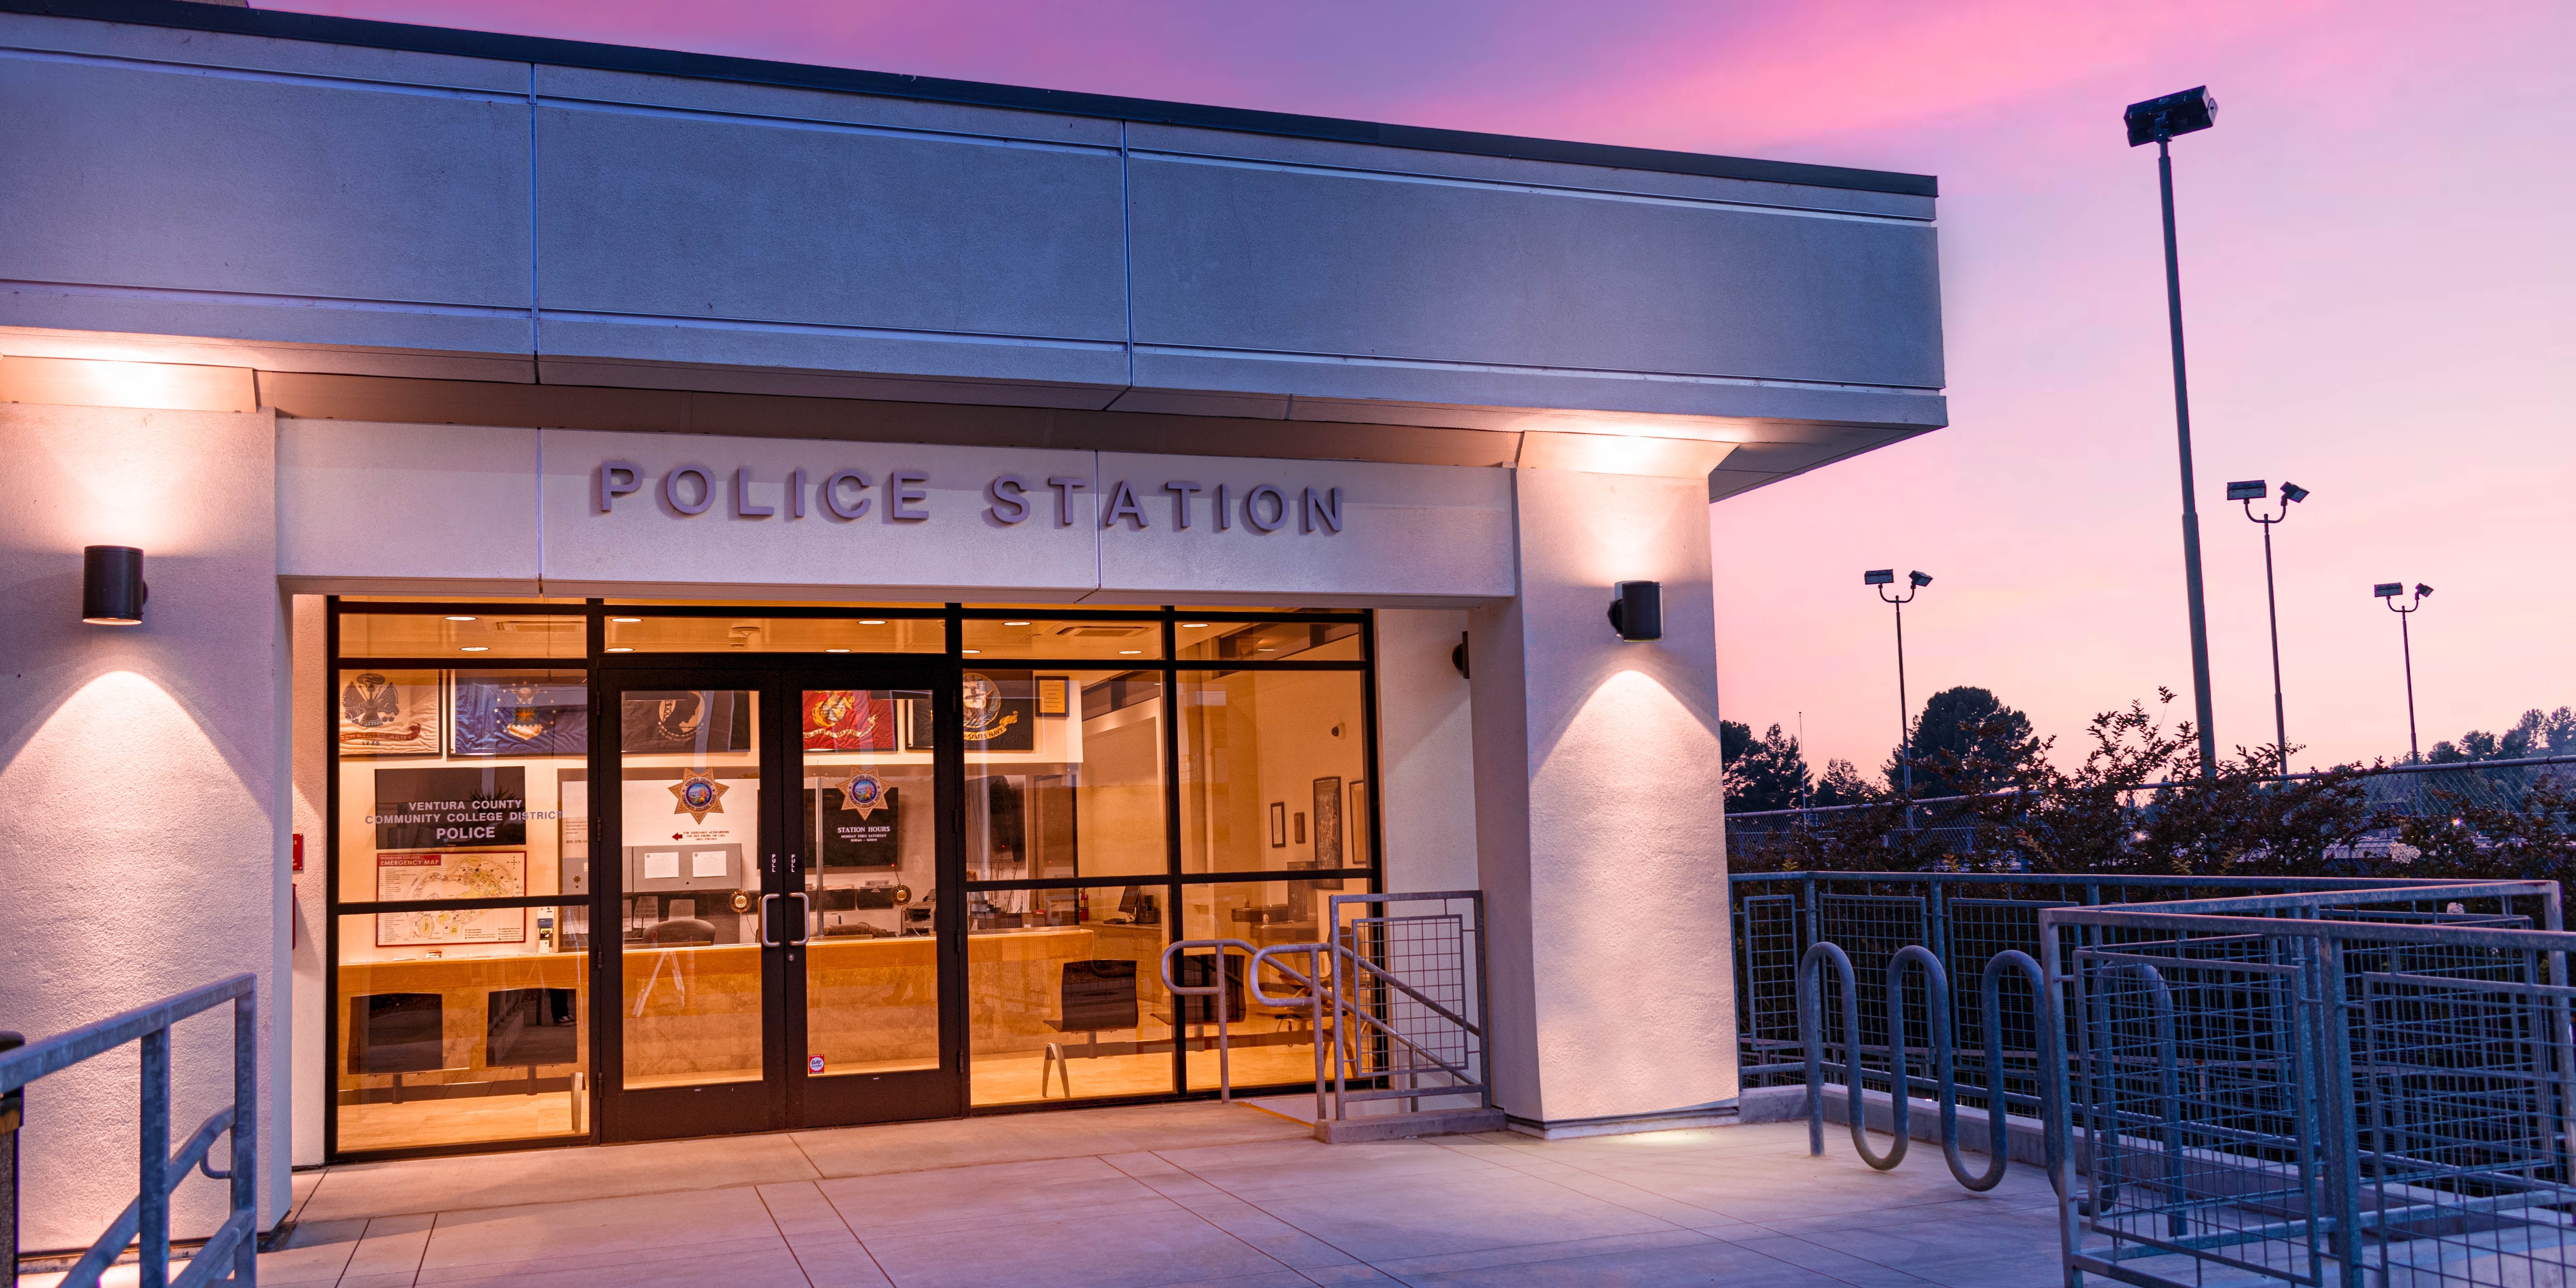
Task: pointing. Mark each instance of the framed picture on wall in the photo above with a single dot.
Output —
(1278, 825)
(1055, 697)
(1001, 711)
(686, 721)
(1328, 822)
(541, 714)
(848, 720)
(390, 713)
(920, 732)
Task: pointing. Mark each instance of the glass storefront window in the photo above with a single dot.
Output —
(870, 840)
(473, 633)
(1289, 641)
(689, 907)
(1064, 778)
(462, 784)
(1272, 1042)
(1070, 1004)
(642, 633)
(988, 639)
(461, 1025)
(463, 882)
(1272, 766)
(449, 1041)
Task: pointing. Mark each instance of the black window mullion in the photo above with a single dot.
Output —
(1172, 926)
(330, 874)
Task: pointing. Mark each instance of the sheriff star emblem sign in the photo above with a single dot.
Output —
(699, 795)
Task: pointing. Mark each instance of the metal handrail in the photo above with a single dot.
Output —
(233, 1249)
(1224, 1067)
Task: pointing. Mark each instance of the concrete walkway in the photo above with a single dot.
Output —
(1167, 1195)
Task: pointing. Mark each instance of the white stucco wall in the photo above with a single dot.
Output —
(1597, 778)
(1425, 751)
(311, 1000)
(141, 771)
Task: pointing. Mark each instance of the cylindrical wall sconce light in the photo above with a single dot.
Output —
(112, 589)
(1638, 612)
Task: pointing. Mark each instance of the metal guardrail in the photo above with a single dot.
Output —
(1964, 920)
(2328, 1088)
(1962, 826)
(231, 1254)
(1395, 1001)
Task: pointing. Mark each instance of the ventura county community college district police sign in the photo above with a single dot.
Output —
(847, 495)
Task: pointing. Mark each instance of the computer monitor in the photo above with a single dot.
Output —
(1138, 906)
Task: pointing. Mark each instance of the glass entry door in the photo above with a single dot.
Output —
(766, 880)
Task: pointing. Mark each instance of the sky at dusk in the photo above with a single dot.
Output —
(2377, 274)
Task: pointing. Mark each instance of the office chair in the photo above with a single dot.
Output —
(1093, 995)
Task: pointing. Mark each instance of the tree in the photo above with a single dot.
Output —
(1765, 773)
(1965, 741)
(2538, 733)
(1843, 785)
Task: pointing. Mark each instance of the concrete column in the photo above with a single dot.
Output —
(1598, 830)
(141, 774)
(1425, 751)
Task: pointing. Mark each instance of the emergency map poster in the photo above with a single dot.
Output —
(427, 878)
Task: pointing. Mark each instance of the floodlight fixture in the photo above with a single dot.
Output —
(2159, 119)
(2423, 591)
(112, 589)
(1878, 577)
(1918, 580)
(1637, 610)
(2248, 490)
(2388, 589)
(2292, 492)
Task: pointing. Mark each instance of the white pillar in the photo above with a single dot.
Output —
(1598, 797)
(141, 768)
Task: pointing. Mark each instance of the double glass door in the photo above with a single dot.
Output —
(769, 860)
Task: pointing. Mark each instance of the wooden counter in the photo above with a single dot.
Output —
(695, 1011)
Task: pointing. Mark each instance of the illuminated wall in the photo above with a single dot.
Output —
(140, 771)
(1598, 818)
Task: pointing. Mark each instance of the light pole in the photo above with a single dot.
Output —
(2388, 591)
(2249, 492)
(2157, 121)
(1914, 582)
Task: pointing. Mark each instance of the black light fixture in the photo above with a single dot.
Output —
(1918, 580)
(112, 589)
(2159, 119)
(1638, 612)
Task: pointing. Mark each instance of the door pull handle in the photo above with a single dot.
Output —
(765, 940)
(804, 918)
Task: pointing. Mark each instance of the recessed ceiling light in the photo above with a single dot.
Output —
(1265, 650)
(836, 650)
(1015, 623)
(477, 648)
(629, 620)
(460, 619)
(970, 650)
(621, 650)
(1194, 626)
(871, 621)
(1129, 652)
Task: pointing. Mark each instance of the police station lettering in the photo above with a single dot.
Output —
(903, 496)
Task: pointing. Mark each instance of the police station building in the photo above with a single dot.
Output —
(691, 596)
